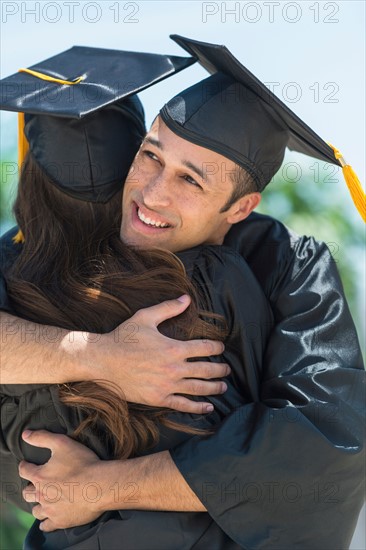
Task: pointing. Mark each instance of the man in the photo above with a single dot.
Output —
(288, 465)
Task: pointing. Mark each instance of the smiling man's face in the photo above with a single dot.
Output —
(174, 194)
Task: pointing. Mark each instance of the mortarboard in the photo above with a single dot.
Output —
(236, 115)
(81, 121)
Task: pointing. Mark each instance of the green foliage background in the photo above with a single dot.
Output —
(318, 204)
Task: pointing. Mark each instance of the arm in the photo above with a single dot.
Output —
(33, 353)
(128, 484)
(220, 271)
(291, 463)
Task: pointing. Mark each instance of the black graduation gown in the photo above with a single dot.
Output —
(292, 470)
(294, 460)
(230, 289)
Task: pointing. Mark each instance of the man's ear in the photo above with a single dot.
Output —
(243, 207)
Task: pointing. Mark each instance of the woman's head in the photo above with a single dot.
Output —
(88, 158)
(57, 227)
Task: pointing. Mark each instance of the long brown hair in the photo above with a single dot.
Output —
(75, 272)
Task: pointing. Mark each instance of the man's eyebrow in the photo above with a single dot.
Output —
(154, 142)
(195, 169)
(199, 171)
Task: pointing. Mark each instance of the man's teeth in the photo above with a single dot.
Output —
(148, 221)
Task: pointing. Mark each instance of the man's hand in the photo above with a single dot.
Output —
(64, 488)
(74, 487)
(147, 366)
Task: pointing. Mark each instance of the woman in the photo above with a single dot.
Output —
(73, 271)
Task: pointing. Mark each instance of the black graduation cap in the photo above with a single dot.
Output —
(82, 123)
(236, 115)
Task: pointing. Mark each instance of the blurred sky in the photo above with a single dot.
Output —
(318, 46)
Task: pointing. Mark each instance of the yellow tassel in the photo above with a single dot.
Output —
(353, 184)
(49, 78)
(23, 147)
(23, 144)
(19, 237)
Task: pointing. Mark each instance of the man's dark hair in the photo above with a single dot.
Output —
(243, 185)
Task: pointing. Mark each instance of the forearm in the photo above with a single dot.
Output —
(34, 353)
(37, 354)
(147, 483)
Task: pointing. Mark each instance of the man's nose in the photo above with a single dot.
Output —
(157, 192)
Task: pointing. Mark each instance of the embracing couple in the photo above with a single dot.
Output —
(228, 414)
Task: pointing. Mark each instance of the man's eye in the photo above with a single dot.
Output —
(150, 155)
(192, 181)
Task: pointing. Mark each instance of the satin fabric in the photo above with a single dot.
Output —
(286, 470)
(292, 470)
(228, 287)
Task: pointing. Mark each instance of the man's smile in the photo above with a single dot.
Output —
(146, 220)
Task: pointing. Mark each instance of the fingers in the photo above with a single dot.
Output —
(182, 404)
(29, 493)
(27, 470)
(195, 387)
(202, 348)
(38, 512)
(43, 438)
(178, 350)
(42, 492)
(47, 526)
(155, 315)
(204, 370)
(202, 387)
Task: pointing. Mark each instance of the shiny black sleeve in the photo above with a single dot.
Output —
(286, 471)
